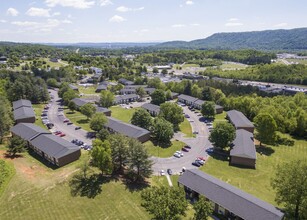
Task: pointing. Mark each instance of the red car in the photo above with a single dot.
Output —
(62, 135)
(202, 158)
(66, 120)
(57, 132)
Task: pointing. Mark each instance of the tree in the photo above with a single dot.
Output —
(141, 92)
(139, 160)
(69, 95)
(164, 203)
(63, 88)
(120, 152)
(164, 72)
(208, 109)
(88, 110)
(52, 82)
(168, 95)
(16, 145)
(155, 70)
(202, 209)
(5, 117)
(106, 98)
(222, 135)
(103, 134)
(162, 131)
(196, 91)
(207, 95)
(98, 121)
(102, 156)
(290, 183)
(72, 106)
(172, 113)
(188, 88)
(266, 127)
(158, 97)
(142, 119)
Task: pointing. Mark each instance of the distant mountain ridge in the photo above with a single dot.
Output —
(293, 39)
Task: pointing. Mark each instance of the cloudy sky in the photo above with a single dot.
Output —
(142, 20)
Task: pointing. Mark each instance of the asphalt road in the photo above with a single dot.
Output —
(69, 130)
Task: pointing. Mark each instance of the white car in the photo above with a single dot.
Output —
(191, 120)
(200, 161)
(179, 152)
(177, 155)
(162, 173)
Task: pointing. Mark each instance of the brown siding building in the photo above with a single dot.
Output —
(23, 111)
(240, 121)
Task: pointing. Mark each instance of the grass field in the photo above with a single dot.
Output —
(257, 182)
(164, 152)
(231, 65)
(297, 61)
(185, 127)
(38, 109)
(219, 118)
(78, 119)
(87, 90)
(122, 113)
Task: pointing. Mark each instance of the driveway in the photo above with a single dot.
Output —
(69, 130)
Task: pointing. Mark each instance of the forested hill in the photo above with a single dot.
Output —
(294, 39)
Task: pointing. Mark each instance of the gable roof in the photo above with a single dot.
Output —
(125, 128)
(102, 87)
(23, 112)
(238, 119)
(243, 145)
(233, 199)
(80, 102)
(73, 87)
(21, 103)
(124, 97)
(53, 145)
(101, 109)
(151, 107)
(187, 98)
(28, 131)
(199, 102)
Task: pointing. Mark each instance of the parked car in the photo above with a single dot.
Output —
(87, 147)
(65, 121)
(62, 135)
(210, 150)
(202, 158)
(196, 164)
(188, 147)
(185, 149)
(162, 173)
(57, 132)
(77, 128)
(69, 123)
(195, 132)
(201, 162)
(177, 155)
(169, 171)
(180, 153)
(191, 120)
(187, 116)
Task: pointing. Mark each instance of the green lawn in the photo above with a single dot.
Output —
(87, 90)
(163, 151)
(219, 118)
(257, 182)
(122, 113)
(185, 127)
(227, 65)
(38, 109)
(78, 119)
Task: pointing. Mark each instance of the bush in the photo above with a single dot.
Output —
(284, 141)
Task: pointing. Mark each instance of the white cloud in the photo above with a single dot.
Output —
(117, 18)
(233, 24)
(3, 21)
(46, 26)
(12, 12)
(281, 25)
(56, 14)
(195, 24)
(189, 2)
(105, 2)
(38, 12)
(66, 21)
(81, 4)
(178, 25)
(25, 23)
(125, 9)
(233, 19)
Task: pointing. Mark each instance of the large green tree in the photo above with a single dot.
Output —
(173, 113)
(69, 95)
(102, 156)
(72, 106)
(165, 203)
(5, 117)
(222, 135)
(208, 109)
(158, 97)
(16, 145)
(162, 131)
(88, 110)
(290, 183)
(139, 160)
(202, 208)
(266, 127)
(142, 119)
(98, 121)
(106, 98)
(141, 92)
(120, 150)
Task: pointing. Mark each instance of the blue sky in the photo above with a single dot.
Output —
(140, 20)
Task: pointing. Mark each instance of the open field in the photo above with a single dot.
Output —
(257, 182)
(78, 119)
(231, 66)
(297, 61)
(159, 151)
(87, 90)
(38, 109)
(219, 118)
(185, 127)
(122, 113)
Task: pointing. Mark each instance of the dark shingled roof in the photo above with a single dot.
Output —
(21, 103)
(54, 146)
(187, 98)
(151, 107)
(102, 87)
(23, 112)
(125, 128)
(80, 102)
(243, 145)
(101, 109)
(218, 107)
(124, 97)
(133, 90)
(238, 119)
(233, 199)
(73, 87)
(125, 81)
(28, 131)
(199, 102)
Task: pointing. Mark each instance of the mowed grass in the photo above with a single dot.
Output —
(185, 127)
(38, 109)
(87, 90)
(230, 65)
(37, 192)
(122, 114)
(257, 182)
(78, 119)
(219, 118)
(161, 151)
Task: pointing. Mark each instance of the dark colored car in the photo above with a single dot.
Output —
(169, 171)
(77, 128)
(185, 149)
(188, 147)
(69, 123)
(196, 164)
(210, 150)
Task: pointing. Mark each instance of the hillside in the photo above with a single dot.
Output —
(294, 39)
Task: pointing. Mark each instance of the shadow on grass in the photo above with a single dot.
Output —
(42, 160)
(264, 150)
(134, 185)
(83, 121)
(162, 145)
(70, 113)
(12, 157)
(219, 155)
(89, 186)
